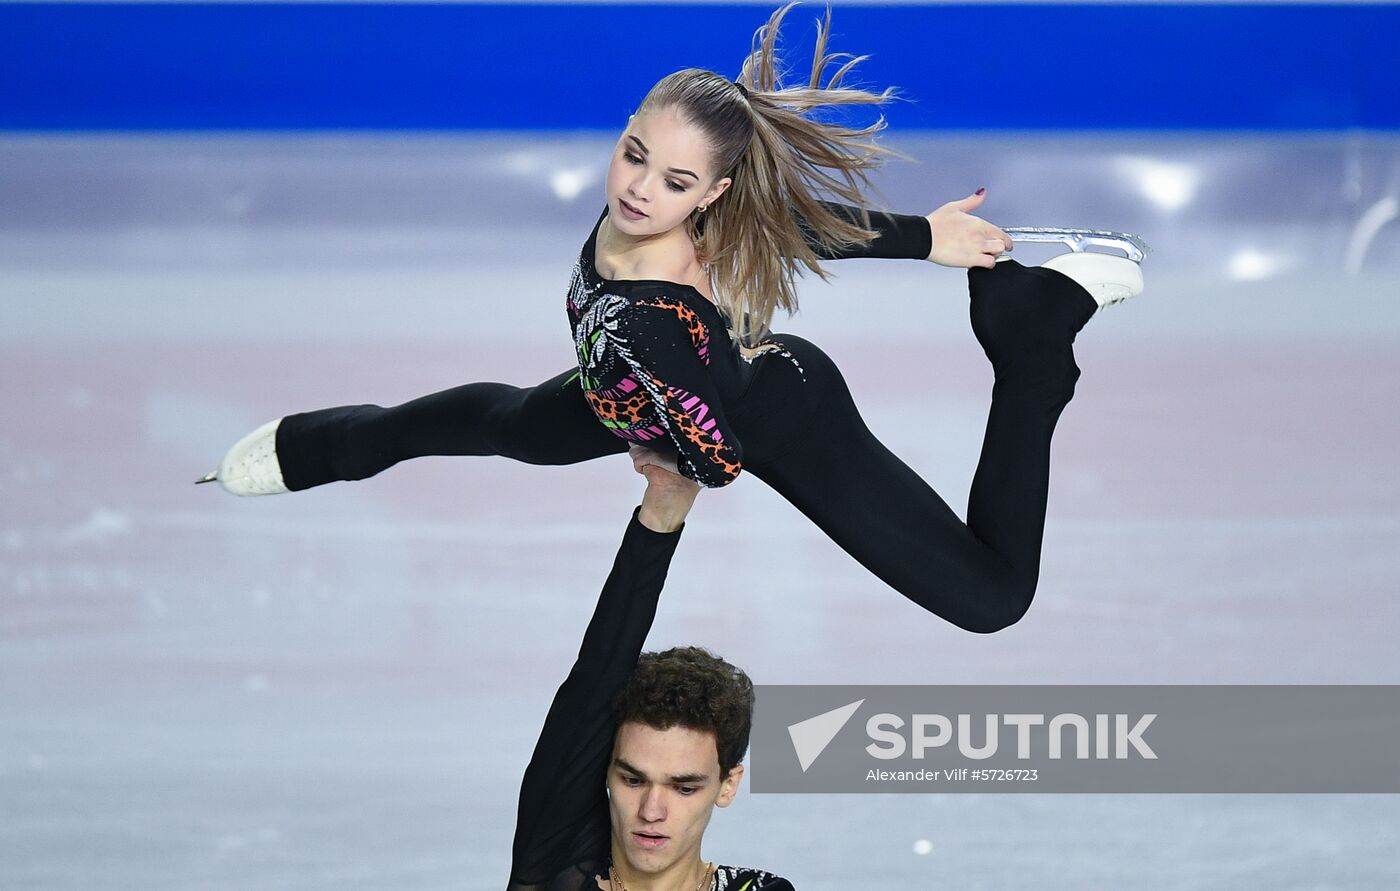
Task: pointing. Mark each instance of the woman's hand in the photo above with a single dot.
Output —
(962, 240)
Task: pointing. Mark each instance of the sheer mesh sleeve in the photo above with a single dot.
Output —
(562, 829)
(902, 236)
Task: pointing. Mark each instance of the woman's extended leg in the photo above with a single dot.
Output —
(547, 424)
(979, 575)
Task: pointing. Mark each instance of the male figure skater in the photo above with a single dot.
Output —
(637, 750)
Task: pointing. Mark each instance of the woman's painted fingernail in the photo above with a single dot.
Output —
(981, 190)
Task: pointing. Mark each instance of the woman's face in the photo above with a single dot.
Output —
(660, 173)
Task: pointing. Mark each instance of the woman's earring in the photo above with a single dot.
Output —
(702, 207)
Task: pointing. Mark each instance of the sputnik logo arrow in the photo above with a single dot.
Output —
(811, 737)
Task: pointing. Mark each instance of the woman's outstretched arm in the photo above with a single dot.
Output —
(902, 236)
(949, 236)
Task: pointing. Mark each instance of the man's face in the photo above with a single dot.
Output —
(663, 785)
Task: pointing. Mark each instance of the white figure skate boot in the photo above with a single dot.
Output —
(251, 467)
(1109, 278)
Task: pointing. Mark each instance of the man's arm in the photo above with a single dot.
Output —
(562, 828)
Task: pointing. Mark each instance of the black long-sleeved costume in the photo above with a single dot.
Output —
(656, 366)
(646, 386)
(562, 830)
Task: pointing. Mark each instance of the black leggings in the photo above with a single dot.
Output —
(804, 438)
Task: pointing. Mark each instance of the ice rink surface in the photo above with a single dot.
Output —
(340, 688)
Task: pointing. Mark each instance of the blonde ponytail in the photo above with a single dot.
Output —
(783, 165)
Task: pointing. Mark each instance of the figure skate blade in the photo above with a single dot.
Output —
(1133, 246)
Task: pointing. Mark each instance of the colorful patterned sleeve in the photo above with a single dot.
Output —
(669, 347)
(902, 236)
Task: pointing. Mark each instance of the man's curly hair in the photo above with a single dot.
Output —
(691, 687)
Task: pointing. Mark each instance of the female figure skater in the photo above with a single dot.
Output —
(712, 209)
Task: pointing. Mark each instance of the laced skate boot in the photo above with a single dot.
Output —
(1108, 278)
(251, 466)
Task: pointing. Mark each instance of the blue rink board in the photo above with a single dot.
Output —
(156, 67)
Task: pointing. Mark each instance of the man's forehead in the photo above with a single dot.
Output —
(675, 751)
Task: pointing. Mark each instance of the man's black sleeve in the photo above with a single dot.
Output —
(562, 828)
